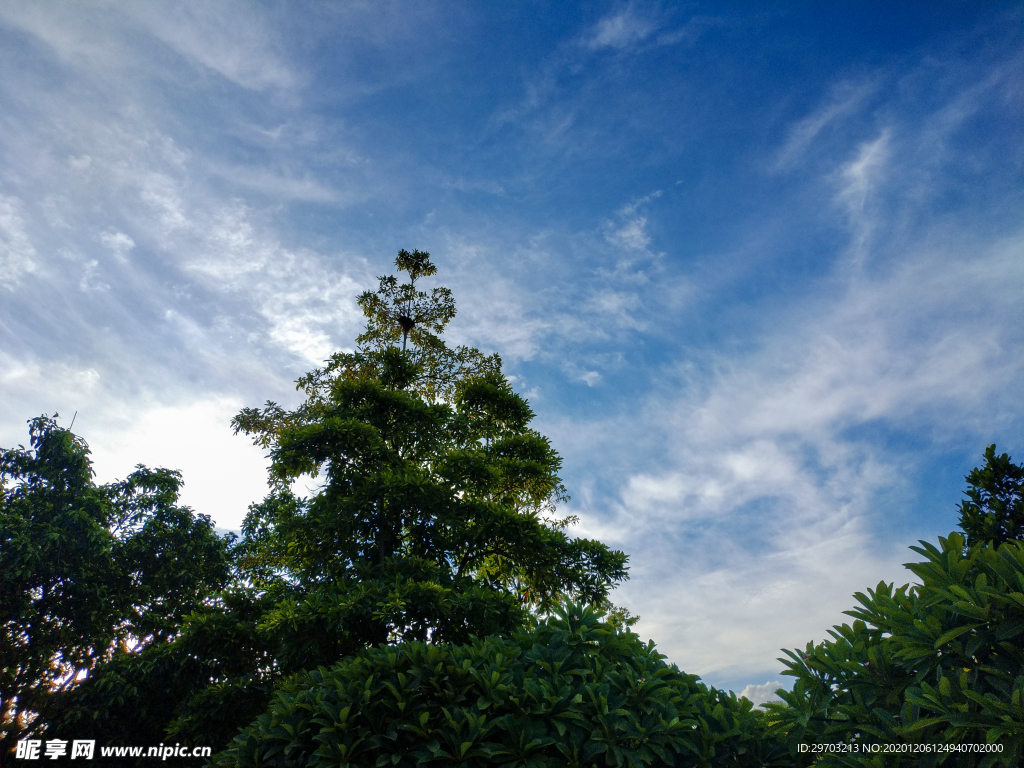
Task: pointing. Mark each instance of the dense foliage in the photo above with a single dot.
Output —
(927, 667)
(394, 615)
(215, 676)
(433, 515)
(431, 518)
(87, 571)
(572, 692)
(994, 507)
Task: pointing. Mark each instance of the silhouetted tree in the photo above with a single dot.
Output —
(87, 571)
(994, 507)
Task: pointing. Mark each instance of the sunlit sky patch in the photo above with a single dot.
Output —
(760, 272)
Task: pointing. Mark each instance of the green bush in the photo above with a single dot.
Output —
(572, 692)
(928, 667)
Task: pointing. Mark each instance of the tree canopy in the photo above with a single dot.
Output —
(930, 666)
(994, 507)
(431, 518)
(86, 570)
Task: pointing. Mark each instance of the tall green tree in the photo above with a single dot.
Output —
(433, 515)
(994, 507)
(87, 571)
(432, 518)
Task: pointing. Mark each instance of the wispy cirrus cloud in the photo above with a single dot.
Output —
(150, 298)
(637, 25)
(630, 232)
(236, 40)
(762, 487)
(846, 100)
(755, 375)
(857, 180)
(754, 483)
(17, 254)
(620, 29)
(553, 97)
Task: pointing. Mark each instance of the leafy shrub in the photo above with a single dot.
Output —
(573, 692)
(931, 666)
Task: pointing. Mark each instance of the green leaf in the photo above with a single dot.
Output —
(953, 634)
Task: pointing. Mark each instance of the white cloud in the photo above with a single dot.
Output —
(494, 308)
(22, 378)
(630, 28)
(236, 40)
(278, 185)
(79, 163)
(223, 473)
(632, 235)
(752, 501)
(689, 32)
(858, 180)
(191, 234)
(17, 254)
(119, 243)
(760, 694)
(846, 98)
(631, 208)
(163, 194)
(620, 30)
(616, 307)
(304, 299)
(90, 281)
(77, 35)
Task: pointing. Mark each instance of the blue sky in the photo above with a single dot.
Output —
(759, 269)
